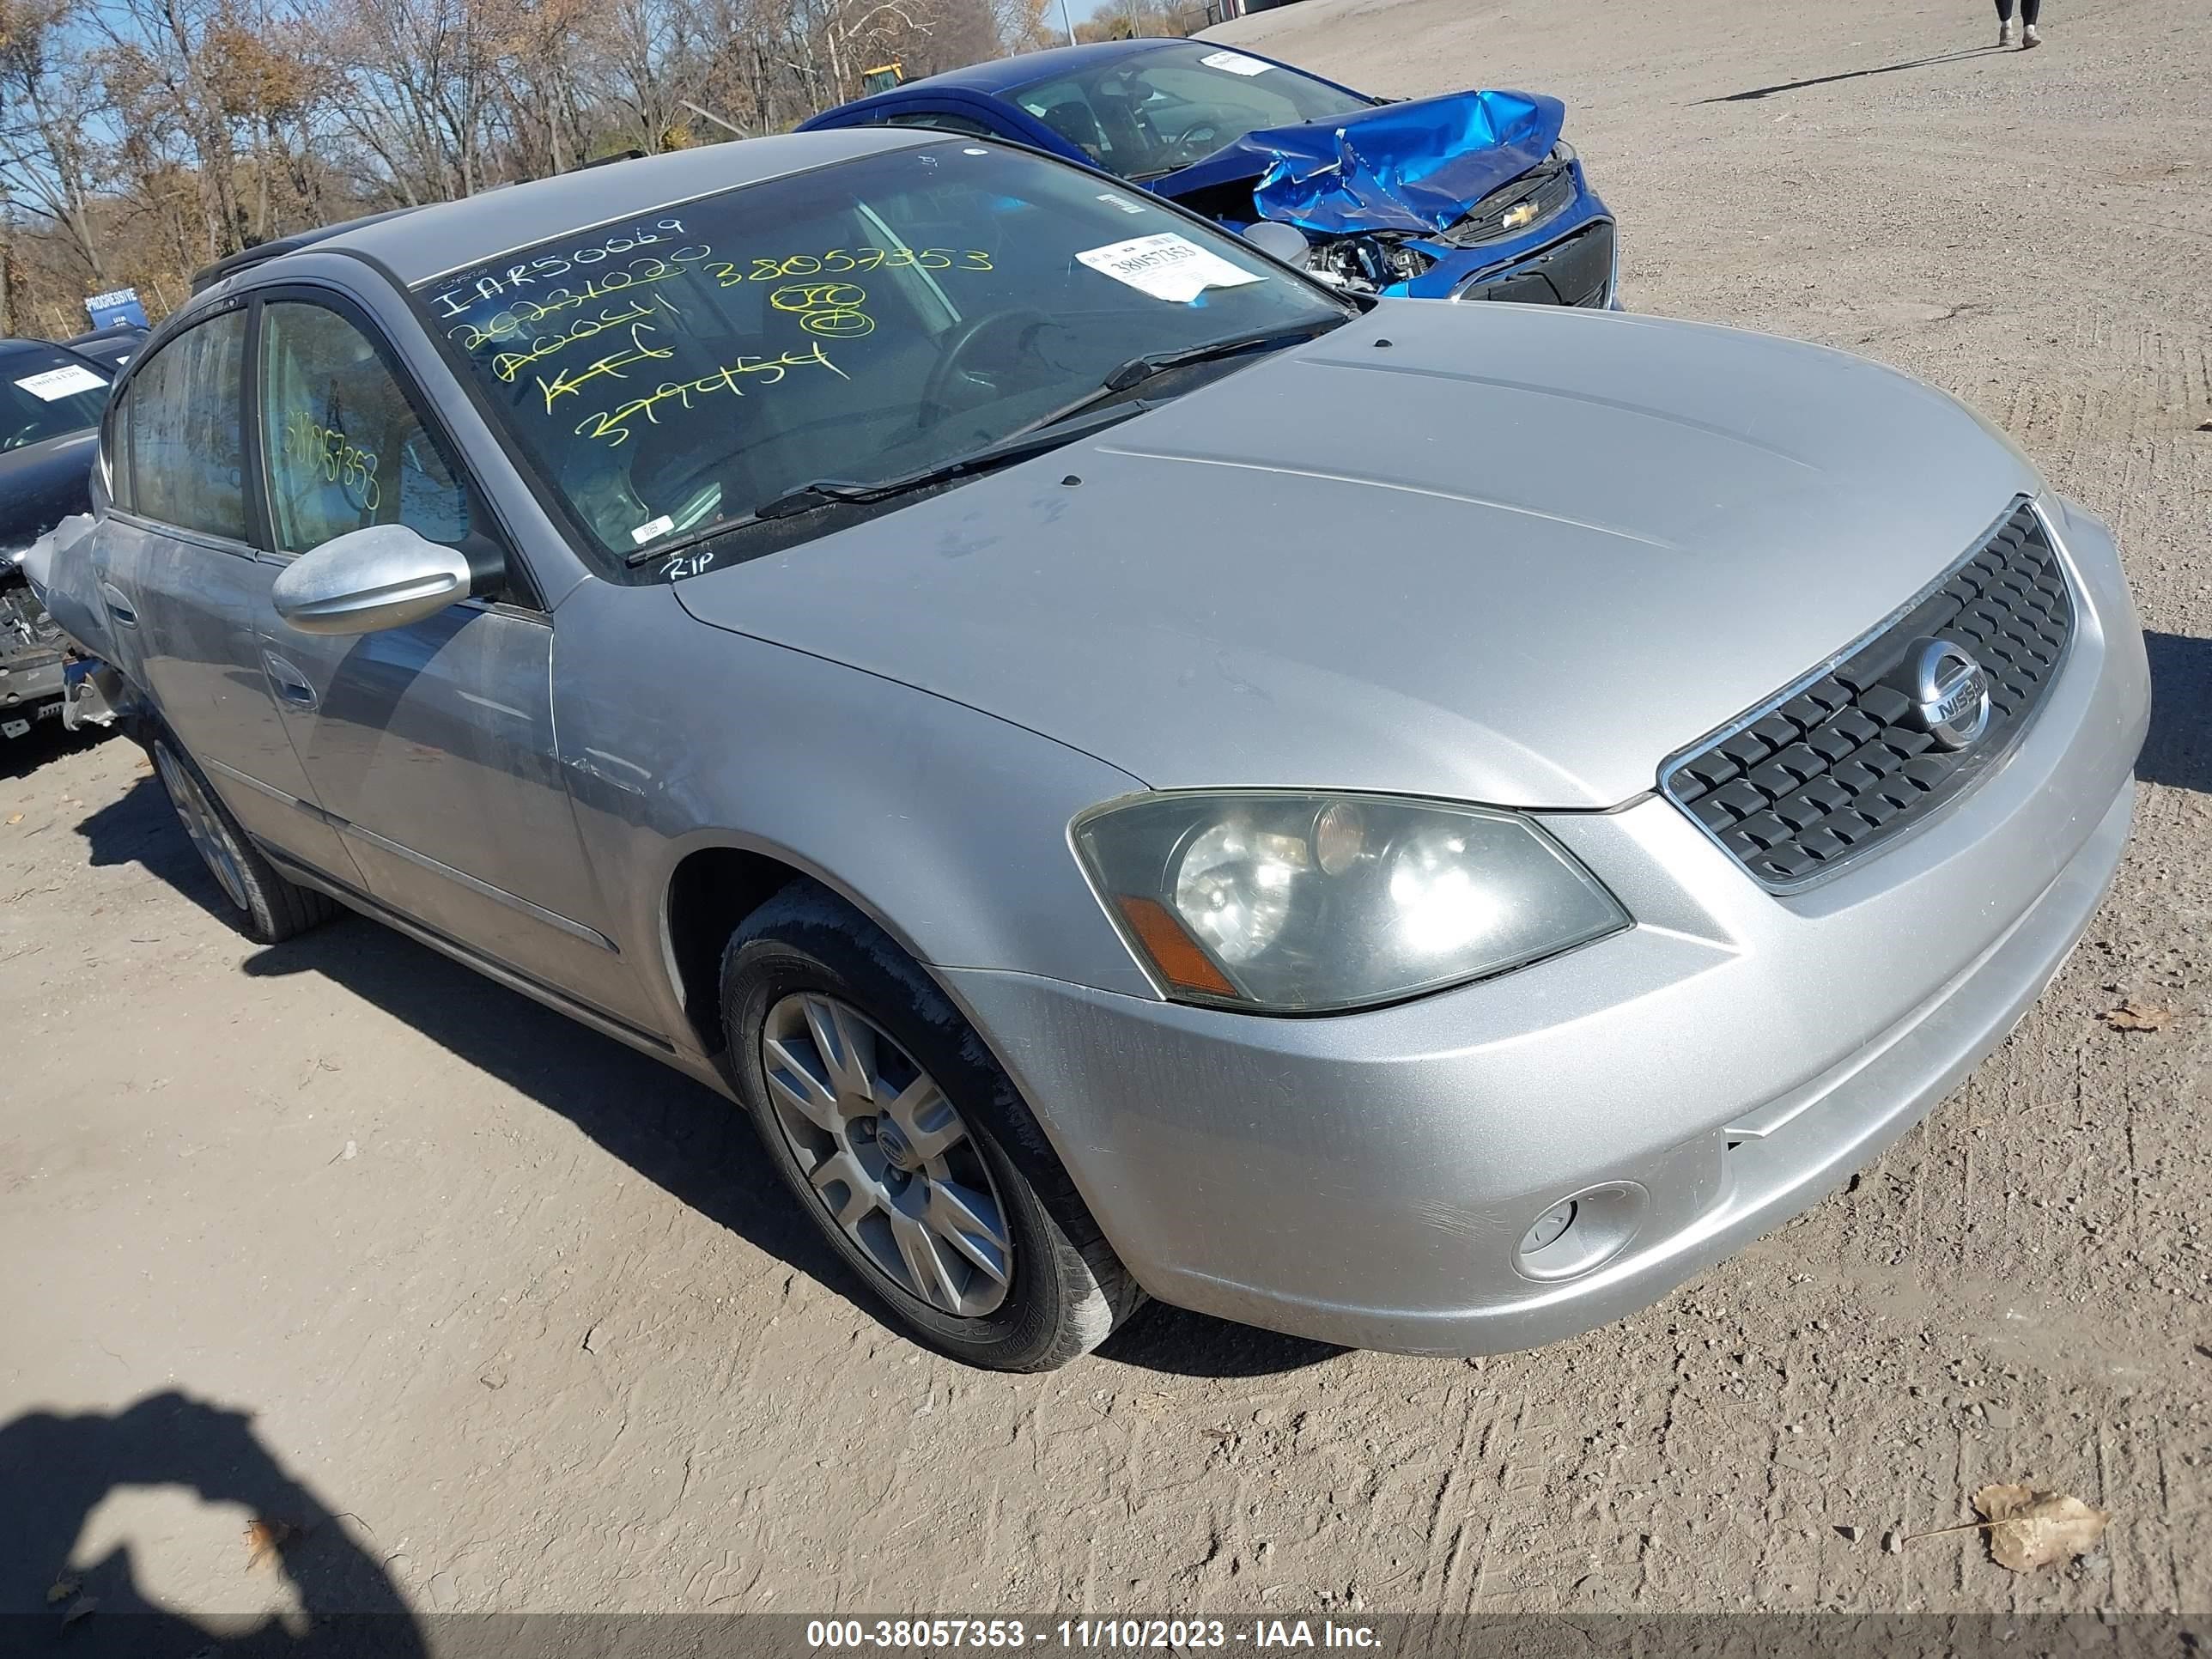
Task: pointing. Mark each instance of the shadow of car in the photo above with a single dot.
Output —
(1471, 195)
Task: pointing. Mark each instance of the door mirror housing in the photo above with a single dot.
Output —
(383, 576)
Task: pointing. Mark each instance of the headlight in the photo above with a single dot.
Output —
(1308, 902)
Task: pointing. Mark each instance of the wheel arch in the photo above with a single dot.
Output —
(706, 897)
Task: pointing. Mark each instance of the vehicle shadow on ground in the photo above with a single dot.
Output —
(57, 1469)
(20, 757)
(2177, 753)
(1850, 75)
(141, 828)
(675, 1132)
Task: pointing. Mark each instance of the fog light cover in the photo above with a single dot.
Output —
(1582, 1232)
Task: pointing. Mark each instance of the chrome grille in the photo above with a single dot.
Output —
(1838, 764)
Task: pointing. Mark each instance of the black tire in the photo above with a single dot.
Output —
(257, 901)
(1067, 1290)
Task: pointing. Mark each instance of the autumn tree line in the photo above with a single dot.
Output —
(142, 139)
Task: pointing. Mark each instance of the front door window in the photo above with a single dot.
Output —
(344, 446)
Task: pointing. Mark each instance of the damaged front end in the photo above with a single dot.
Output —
(1438, 196)
(51, 634)
(33, 649)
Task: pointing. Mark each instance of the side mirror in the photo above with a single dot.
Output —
(383, 576)
(1279, 241)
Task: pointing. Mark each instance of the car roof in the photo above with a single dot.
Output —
(11, 346)
(417, 243)
(1003, 74)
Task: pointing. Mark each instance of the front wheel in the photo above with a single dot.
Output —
(908, 1145)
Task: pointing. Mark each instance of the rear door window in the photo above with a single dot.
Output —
(186, 440)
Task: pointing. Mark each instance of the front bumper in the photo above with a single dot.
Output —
(1368, 1178)
(1526, 263)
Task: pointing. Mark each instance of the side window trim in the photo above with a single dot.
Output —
(356, 316)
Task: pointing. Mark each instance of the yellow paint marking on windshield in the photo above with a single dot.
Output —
(508, 364)
(611, 426)
(565, 384)
(830, 309)
(505, 324)
(839, 260)
(494, 281)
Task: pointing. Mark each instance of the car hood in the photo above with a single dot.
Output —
(1508, 554)
(1415, 166)
(43, 482)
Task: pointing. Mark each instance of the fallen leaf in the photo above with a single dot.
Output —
(83, 1607)
(266, 1539)
(2134, 1016)
(2030, 1529)
(61, 1589)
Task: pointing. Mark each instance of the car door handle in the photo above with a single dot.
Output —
(290, 685)
(119, 608)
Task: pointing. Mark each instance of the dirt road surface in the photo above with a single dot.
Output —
(533, 1329)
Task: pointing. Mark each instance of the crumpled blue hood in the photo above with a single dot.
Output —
(1415, 166)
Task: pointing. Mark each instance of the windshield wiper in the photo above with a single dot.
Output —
(1055, 430)
(1157, 363)
(1137, 370)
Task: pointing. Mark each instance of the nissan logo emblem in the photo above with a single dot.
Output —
(1950, 693)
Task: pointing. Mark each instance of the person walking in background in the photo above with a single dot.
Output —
(2029, 10)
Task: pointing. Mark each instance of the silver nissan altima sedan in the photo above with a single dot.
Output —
(1416, 825)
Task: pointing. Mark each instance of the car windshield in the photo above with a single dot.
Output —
(1157, 111)
(46, 393)
(667, 377)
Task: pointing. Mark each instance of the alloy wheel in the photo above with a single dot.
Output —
(198, 815)
(888, 1156)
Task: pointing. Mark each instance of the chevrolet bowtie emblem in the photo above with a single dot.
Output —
(1518, 215)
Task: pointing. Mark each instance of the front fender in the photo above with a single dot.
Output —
(946, 825)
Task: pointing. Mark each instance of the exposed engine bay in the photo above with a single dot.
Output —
(32, 650)
(1368, 264)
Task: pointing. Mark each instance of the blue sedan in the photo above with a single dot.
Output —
(1471, 195)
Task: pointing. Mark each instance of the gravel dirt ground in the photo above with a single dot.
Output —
(531, 1329)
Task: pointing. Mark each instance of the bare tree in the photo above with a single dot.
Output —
(142, 138)
(49, 160)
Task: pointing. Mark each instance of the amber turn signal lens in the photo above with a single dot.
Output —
(1172, 951)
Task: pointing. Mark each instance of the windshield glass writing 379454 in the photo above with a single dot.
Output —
(870, 320)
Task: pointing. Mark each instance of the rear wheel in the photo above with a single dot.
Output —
(908, 1145)
(258, 902)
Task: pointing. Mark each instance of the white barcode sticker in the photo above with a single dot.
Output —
(1236, 63)
(1167, 267)
(55, 384)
